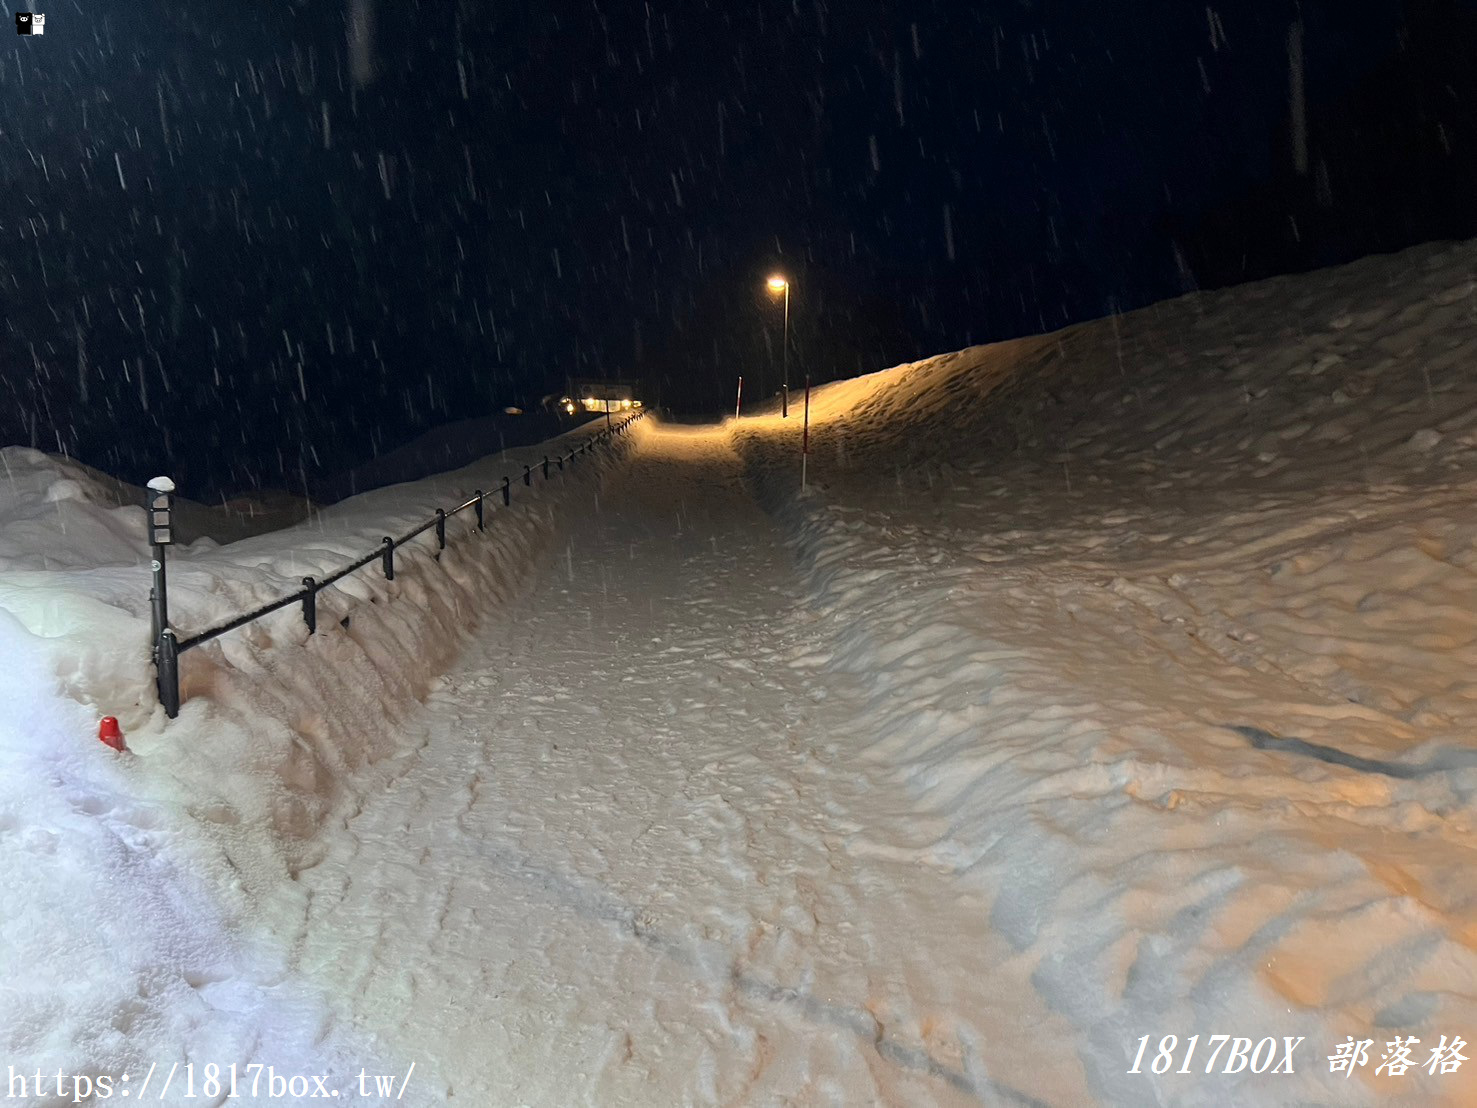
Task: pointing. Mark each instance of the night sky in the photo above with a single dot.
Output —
(254, 243)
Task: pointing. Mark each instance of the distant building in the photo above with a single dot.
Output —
(601, 395)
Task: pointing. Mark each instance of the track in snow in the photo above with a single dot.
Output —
(634, 863)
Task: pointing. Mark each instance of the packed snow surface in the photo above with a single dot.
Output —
(1105, 684)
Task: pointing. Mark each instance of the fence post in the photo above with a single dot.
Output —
(560, 460)
(546, 467)
(507, 493)
(441, 528)
(388, 557)
(169, 672)
(310, 604)
(528, 475)
(481, 523)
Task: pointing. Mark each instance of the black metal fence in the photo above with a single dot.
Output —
(168, 646)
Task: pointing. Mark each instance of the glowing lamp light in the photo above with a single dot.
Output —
(778, 286)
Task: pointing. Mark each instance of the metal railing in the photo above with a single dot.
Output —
(168, 646)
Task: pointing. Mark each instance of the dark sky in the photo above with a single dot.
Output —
(229, 258)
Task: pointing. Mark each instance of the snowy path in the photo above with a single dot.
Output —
(1132, 701)
(633, 862)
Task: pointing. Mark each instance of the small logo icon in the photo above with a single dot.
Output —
(30, 23)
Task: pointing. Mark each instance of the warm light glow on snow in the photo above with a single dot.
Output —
(1113, 678)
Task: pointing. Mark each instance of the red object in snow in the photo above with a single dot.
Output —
(108, 732)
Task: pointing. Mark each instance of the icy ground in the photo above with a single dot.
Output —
(1105, 684)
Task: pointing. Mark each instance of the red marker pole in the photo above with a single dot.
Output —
(805, 434)
(739, 400)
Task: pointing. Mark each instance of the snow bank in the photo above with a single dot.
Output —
(144, 890)
(449, 446)
(1168, 621)
(56, 513)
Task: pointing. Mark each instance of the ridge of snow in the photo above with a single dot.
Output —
(1167, 623)
(144, 882)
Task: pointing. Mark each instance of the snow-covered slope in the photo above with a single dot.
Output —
(1169, 622)
(449, 446)
(144, 892)
(56, 513)
(1253, 382)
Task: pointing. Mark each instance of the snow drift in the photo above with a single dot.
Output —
(145, 889)
(1168, 622)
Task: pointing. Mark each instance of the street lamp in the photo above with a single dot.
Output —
(777, 285)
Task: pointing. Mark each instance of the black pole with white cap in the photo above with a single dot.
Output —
(160, 506)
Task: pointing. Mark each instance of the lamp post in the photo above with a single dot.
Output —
(777, 285)
(161, 534)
